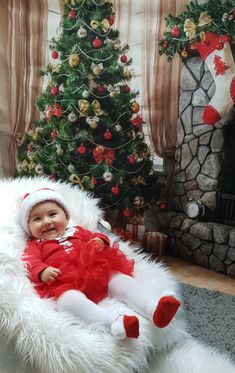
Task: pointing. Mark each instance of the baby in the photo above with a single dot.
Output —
(78, 269)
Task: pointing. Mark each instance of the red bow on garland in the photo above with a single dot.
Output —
(100, 154)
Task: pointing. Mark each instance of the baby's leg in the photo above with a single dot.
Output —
(140, 297)
(76, 303)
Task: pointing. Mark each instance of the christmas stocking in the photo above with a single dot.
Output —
(215, 51)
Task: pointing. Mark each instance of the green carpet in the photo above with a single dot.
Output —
(211, 316)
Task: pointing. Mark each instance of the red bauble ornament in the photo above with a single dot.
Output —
(54, 54)
(54, 90)
(30, 148)
(127, 212)
(111, 20)
(57, 110)
(81, 149)
(137, 121)
(97, 43)
(108, 135)
(53, 134)
(115, 190)
(72, 14)
(165, 44)
(101, 88)
(126, 89)
(132, 159)
(175, 32)
(123, 58)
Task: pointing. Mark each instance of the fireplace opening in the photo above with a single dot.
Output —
(226, 196)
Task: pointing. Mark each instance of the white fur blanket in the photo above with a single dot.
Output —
(52, 342)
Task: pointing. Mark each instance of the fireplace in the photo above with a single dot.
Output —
(204, 172)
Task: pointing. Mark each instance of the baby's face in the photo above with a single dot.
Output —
(47, 220)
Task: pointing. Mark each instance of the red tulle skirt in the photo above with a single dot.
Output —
(86, 270)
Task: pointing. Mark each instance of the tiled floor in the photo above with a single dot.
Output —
(198, 276)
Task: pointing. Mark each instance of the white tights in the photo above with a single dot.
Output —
(121, 287)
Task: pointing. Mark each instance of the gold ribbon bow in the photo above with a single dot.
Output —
(104, 24)
(138, 180)
(97, 108)
(84, 108)
(75, 179)
(25, 165)
(55, 68)
(190, 26)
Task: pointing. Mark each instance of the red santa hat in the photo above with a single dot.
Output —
(30, 200)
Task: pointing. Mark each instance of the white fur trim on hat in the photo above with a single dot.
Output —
(38, 196)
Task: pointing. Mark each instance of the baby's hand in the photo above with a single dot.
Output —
(96, 243)
(50, 273)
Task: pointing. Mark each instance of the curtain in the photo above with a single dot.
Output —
(160, 78)
(23, 30)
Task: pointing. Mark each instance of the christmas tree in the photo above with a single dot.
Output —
(90, 130)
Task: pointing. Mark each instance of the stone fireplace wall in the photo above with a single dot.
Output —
(198, 165)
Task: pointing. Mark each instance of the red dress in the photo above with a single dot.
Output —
(82, 268)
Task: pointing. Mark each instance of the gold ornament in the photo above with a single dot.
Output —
(94, 24)
(204, 19)
(96, 70)
(83, 107)
(134, 106)
(138, 201)
(184, 54)
(115, 47)
(93, 124)
(105, 25)
(74, 60)
(35, 137)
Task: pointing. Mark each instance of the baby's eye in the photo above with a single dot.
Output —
(37, 219)
(52, 215)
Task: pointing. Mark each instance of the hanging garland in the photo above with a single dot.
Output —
(185, 30)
